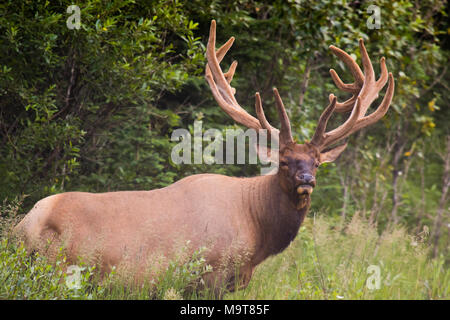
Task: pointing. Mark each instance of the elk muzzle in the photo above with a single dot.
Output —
(305, 183)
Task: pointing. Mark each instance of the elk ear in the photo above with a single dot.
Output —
(332, 154)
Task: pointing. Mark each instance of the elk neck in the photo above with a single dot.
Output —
(274, 214)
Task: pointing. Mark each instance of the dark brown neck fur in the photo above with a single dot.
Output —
(276, 215)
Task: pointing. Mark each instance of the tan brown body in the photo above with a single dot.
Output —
(242, 218)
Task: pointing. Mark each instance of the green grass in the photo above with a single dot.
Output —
(328, 261)
(325, 261)
(24, 276)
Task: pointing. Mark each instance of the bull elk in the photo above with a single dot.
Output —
(232, 217)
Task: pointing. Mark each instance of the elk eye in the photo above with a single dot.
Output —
(283, 164)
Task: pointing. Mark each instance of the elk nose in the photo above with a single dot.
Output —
(305, 178)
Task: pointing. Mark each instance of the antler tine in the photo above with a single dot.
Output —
(224, 93)
(369, 74)
(339, 133)
(222, 51)
(350, 62)
(213, 62)
(323, 120)
(220, 54)
(365, 90)
(285, 135)
(260, 113)
(323, 139)
(380, 111)
(344, 130)
(220, 82)
(230, 73)
(384, 74)
(354, 87)
(285, 130)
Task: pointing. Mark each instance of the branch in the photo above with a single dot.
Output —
(304, 84)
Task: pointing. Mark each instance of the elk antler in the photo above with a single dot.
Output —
(365, 90)
(224, 94)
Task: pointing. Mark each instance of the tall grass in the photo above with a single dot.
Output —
(24, 276)
(327, 260)
(34, 276)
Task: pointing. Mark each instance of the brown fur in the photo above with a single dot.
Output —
(246, 217)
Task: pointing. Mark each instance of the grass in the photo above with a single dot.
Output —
(330, 261)
(327, 260)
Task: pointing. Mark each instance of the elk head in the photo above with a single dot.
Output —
(298, 163)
